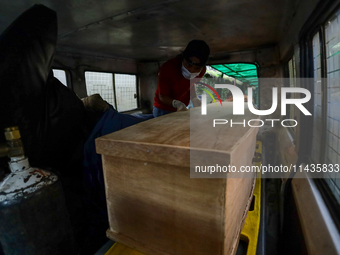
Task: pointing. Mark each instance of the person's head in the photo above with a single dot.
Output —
(195, 56)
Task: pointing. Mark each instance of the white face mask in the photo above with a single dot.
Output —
(187, 75)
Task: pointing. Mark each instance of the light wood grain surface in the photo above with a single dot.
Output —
(170, 138)
(153, 204)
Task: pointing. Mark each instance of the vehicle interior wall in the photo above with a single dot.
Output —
(297, 18)
(288, 145)
(76, 65)
(148, 78)
(152, 31)
(301, 195)
(301, 18)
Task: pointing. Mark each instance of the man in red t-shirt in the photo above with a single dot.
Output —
(173, 90)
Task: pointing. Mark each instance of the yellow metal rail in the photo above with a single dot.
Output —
(251, 227)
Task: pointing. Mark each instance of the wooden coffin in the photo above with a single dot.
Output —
(153, 204)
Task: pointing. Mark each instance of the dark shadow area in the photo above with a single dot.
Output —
(242, 247)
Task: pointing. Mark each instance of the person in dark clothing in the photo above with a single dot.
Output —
(54, 123)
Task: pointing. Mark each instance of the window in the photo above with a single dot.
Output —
(101, 83)
(119, 90)
(60, 75)
(326, 101)
(126, 92)
(332, 150)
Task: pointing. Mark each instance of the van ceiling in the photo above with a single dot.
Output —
(156, 30)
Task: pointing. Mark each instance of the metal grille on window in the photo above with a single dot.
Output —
(60, 75)
(317, 115)
(101, 83)
(126, 92)
(332, 31)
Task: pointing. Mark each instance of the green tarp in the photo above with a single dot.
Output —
(246, 73)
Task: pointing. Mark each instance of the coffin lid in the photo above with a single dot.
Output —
(168, 139)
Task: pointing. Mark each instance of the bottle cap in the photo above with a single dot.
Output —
(12, 133)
